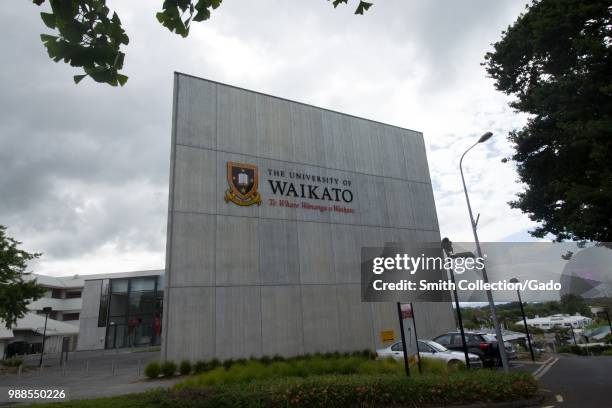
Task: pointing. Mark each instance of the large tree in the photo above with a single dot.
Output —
(90, 37)
(556, 60)
(15, 292)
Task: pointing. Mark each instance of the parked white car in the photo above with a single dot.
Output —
(430, 349)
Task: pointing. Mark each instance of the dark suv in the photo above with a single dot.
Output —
(484, 345)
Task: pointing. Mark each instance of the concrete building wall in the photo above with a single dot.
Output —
(264, 279)
(91, 337)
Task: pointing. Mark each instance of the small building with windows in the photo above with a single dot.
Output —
(576, 321)
(121, 310)
(63, 296)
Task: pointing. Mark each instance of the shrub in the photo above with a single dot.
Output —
(12, 362)
(295, 367)
(570, 348)
(318, 365)
(185, 367)
(597, 350)
(582, 351)
(228, 363)
(278, 357)
(362, 390)
(168, 368)
(199, 367)
(152, 370)
(607, 352)
(432, 366)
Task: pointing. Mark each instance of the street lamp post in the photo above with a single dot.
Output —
(514, 280)
(47, 310)
(573, 335)
(498, 333)
(609, 322)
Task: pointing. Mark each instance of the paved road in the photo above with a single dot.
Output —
(88, 374)
(578, 381)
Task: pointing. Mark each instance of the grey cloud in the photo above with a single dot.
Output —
(83, 167)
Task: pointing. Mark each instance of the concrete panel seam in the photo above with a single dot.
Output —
(304, 164)
(311, 221)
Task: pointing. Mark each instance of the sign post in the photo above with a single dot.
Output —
(401, 322)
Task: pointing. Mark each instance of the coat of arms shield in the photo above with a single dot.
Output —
(242, 180)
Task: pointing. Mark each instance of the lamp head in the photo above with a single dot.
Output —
(514, 280)
(485, 137)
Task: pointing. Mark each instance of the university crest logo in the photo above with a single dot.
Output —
(242, 180)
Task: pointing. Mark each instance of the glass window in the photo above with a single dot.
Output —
(73, 295)
(457, 341)
(116, 336)
(134, 309)
(119, 285)
(70, 316)
(141, 284)
(142, 303)
(117, 320)
(140, 331)
(424, 347)
(397, 347)
(118, 304)
(444, 340)
(103, 310)
(436, 346)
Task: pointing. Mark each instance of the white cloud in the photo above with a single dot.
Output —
(87, 165)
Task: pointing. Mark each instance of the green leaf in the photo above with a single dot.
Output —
(363, 6)
(47, 37)
(122, 79)
(161, 17)
(79, 78)
(48, 19)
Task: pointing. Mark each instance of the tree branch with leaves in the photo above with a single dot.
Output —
(15, 292)
(556, 60)
(88, 36)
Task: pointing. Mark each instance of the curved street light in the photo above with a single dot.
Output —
(485, 278)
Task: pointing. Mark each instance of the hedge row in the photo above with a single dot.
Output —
(169, 368)
(358, 390)
(583, 351)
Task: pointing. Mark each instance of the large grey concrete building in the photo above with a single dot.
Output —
(270, 203)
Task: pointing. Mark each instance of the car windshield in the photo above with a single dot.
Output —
(436, 346)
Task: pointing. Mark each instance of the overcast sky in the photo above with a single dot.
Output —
(84, 176)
